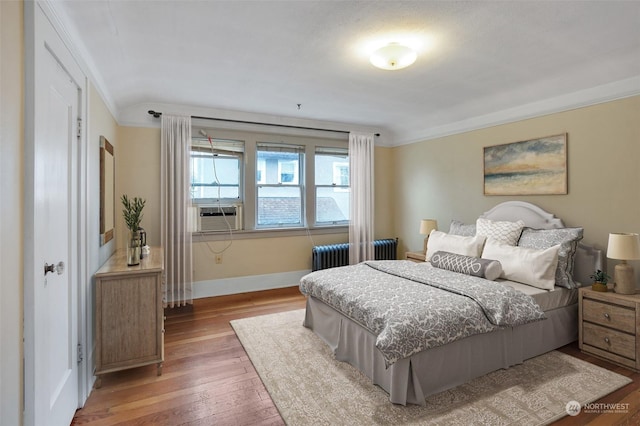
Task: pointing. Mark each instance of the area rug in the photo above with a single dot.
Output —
(309, 387)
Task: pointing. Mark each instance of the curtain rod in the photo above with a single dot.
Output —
(157, 114)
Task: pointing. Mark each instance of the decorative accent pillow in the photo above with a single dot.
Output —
(441, 241)
(462, 229)
(500, 231)
(568, 238)
(478, 267)
(524, 265)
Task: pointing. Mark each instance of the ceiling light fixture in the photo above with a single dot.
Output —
(393, 56)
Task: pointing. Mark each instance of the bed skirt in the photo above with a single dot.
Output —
(411, 379)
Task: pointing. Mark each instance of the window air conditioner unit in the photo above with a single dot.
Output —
(219, 218)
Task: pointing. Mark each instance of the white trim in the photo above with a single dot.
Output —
(583, 98)
(249, 234)
(137, 116)
(236, 285)
(69, 35)
(85, 274)
(42, 34)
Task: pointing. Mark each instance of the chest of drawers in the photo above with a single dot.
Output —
(129, 314)
(609, 325)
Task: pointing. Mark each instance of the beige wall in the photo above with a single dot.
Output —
(442, 178)
(257, 256)
(138, 174)
(11, 208)
(384, 189)
(284, 254)
(101, 123)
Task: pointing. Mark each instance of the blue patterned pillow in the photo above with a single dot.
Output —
(568, 239)
(483, 268)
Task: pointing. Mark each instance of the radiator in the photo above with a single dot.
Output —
(333, 255)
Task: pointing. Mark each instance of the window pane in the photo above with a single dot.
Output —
(279, 178)
(226, 169)
(332, 185)
(275, 168)
(216, 169)
(214, 177)
(332, 205)
(332, 170)
(279, 206)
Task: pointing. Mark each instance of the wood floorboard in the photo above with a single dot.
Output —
(208, 378)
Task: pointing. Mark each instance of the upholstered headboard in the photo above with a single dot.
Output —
(587, 259)
(532, 215)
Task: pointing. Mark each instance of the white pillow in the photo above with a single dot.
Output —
(501, 231)
(524, 265)
(441, 241)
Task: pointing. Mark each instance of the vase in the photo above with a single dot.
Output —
(133, 248)
(598, 286)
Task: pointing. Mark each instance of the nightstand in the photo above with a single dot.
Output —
(608, 326)
(415, 256)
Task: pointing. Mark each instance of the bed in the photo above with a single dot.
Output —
(358, 331)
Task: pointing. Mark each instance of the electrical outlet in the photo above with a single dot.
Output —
(218, 258)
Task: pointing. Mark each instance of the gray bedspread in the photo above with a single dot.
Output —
(411, 306)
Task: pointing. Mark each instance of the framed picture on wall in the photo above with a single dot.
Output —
(107, 191)
(531, 167)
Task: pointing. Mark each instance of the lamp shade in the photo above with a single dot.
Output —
(623, 246)
(428, 225)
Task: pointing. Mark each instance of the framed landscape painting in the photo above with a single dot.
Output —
(532, 167)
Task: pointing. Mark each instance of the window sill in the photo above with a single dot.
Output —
(268, 233)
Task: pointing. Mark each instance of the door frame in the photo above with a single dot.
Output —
(42, 38)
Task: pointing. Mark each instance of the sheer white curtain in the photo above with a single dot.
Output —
(175, 200)
(361, 148)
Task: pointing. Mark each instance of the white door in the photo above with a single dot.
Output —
(51, 323)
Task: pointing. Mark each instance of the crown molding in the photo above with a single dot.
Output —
(137, 116)
(79, 52)
(596, 95)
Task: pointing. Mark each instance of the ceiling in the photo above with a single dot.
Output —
(479, 62)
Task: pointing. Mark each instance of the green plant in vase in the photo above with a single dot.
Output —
(600, 280)
(132, 213)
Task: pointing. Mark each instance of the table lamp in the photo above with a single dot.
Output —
(624, 247)
(426, 226)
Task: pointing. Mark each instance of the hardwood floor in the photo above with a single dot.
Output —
(209, 380)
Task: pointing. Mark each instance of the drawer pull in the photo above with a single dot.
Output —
(606, 315)
(606, 339)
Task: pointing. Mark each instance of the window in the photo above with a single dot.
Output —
(287, 194)
(216, 171)
(279, 193)
(332, 186)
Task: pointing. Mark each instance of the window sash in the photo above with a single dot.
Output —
(331, 186)
(218, 150)
(335, 212)
(280, 200)
(284, 216)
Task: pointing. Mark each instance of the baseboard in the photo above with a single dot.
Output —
(235, 285)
